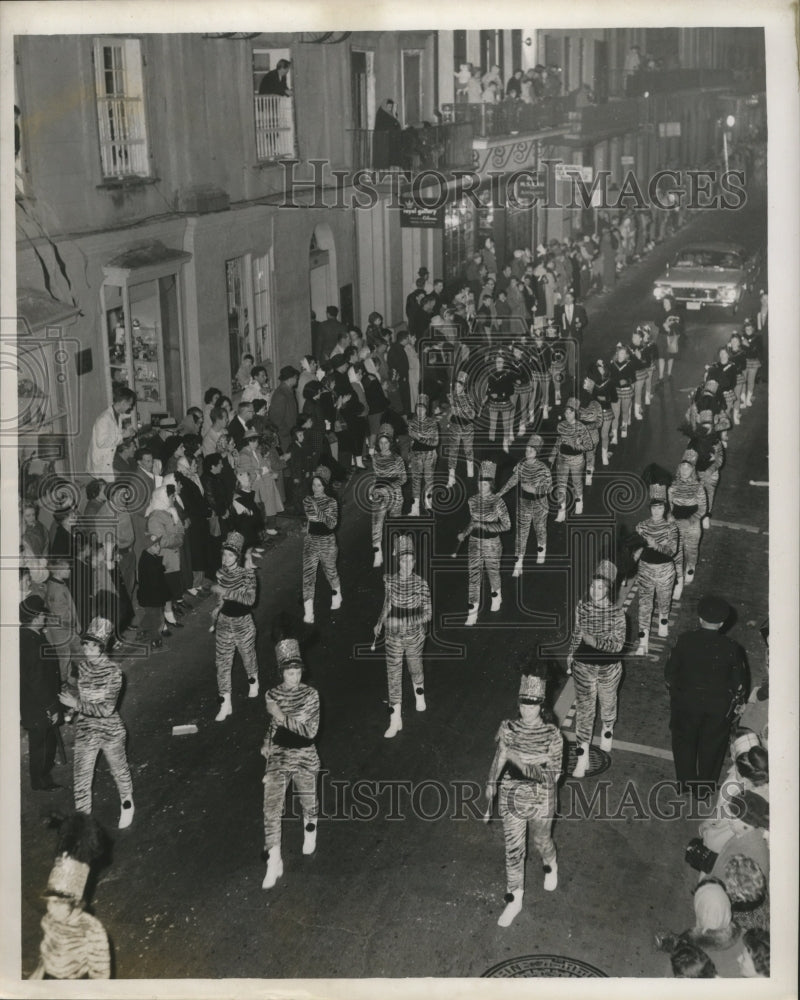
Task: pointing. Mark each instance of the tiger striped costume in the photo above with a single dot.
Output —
(424, 434)
(539, 359)
(535, 483)
(291, 755)
(389, 473)
(523, 802)
(488, 518)
(596, 670)
(710, 460)
(462, 428)
(75, 948)
(591, 416)
(99, 727)
(319, 543)
(235, 628)
(573, 443)
(687, 500)
(406, 613)
(656, 573)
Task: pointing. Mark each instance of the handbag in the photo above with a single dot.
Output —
(700, 857)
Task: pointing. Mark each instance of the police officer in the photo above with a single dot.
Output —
(706, 676)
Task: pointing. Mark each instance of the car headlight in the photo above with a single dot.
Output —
(661, 290)
(727, 293)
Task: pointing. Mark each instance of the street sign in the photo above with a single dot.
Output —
(420, 217)
(626, 161)
(565, 170)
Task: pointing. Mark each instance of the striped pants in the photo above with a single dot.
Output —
(638, 387)
(610, 419)
(730, 401)
(710, 480)
(92, 736)
(460, 434)
(519, 810)
(410, 643)
(656, 581)
(319, 549)
(483, 552)
(508, 421)
(531, 510)
(388, 500)
(232, 634)
(595, 681)
(525, 397)
(540, 387)
(689, 532)
(422, 465)
(591, 456)
(622, 408)
(298, 766)
(569, 467)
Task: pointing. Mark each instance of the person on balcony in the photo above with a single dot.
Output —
(275, 81)
(386, 141)
(473, 88)
(492, 75)
(490, 93)
(514, 86)
(463, 77)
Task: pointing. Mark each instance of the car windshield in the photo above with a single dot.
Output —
(699, 257)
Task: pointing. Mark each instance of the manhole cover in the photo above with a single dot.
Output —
(599, 760)
(544, 966)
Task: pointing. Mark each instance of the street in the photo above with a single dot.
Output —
(396, 894)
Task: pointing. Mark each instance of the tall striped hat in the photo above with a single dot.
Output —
(323, 473)
(690, 456)
(422, 400)
(385, 430)
(488, 470)
(531, 687)
(67, 878)
(658, 491)
(534, 441)
(99, 631)
(287, 653)
(403, 545)
(606, 570)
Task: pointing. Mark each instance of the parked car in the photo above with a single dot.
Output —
(708, 274)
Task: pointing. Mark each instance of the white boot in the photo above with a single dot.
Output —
(588, 478)
(472, 615)
(737, 417)
(451, 479)
(513, 907)
(579, 506)
(540, 555)
(310, 837)
(518, 567)
(360, 462)
(562, 514)
(414, 512)
(378, 560)
(126, 814)
(506, 444)
(663, 627)
(428, 501)
(637, 411)
(419, 694)
(604, 456)
(545, 411)
(252, 691)
(274, 868)
(395, 723)
(706, 522)
(308, 611)
(647, 399)
(607, 738)
(624, 431)
(676, 593)
(550, 876)
(644, 636)
(522, 428)
(470, 470)
(225, 708)
(688, 576)
(582, 754)
(336, 600)
(497, 600)
(613, 437)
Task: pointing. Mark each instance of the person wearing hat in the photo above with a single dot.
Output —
(535, 482)
(524, 775)
(99, 726)
(748, 818)
(706, 444)
(559, 356)
(406, 615)
(670, 331)
(461, 428)
(539, 358)
(236, 589)
(706, 675)
(523, 390)
(656, 542)
(319, 541)
(752, 345)
(640, 362)
(689, 505)
(595, 661)
(714, 929)
(290, 751)
(650, 359)
(385, 491)
(424, 433)
(499, 390)
(39, 684)
(74, 943)
(283, 405)
(623, 375)
(569, 454)
(738, 358)
(488, 519)
(723, 372)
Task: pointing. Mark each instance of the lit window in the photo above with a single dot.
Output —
(120, 107)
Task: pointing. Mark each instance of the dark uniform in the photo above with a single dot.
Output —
(707, 677)
(39, 683)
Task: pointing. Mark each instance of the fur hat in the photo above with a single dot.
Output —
(572, 404)
(422, 400)
(403, 545)
(488, 470)
(323, 473)
(606, 570)
(658, 492)
(385, 430)
(531, 686)
(67, 878)
(99, 631)
(535, 441)
(286, 636)
(234, 542)
(690, 456)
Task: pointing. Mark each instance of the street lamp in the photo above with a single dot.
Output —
(730, 121)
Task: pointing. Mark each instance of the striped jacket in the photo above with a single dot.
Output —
(99, 687)
(406, 603)
(424, 433)
(322, 513)
(606, 624)
(241, 589)
(575, 436)
(533, 477)
(462, 408)
(488, 515)
(661, 537)
(687, 493)
(300, 705)
(75, 947)
(540, 744)
(389, 468)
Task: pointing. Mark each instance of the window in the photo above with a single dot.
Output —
(251, 322)
(120, 107)
(491, 43)
(262, 309)
(273, 104)
(459, 49)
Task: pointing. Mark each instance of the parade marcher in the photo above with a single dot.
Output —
(656, 572)
(601, 386)
(752, 346)
(738, 358)
(74, 943)
(99, 726)
(559, 354)
(39, 683)
(385, 494)
(406, 615)
(641, 366)
(291, 754)
(724, 372)
(499, 390)
(461, 428)
(569, 454)
(670, 331)
(232, 620)
(710, 459)
(623, 375)
(523, 388)
(319, 542)
(524, 775)
(539, 354)
(706, 676)
(424, 433)
(650, 358)
(535, 483)
(591, 416)
(688, 504)
(488, 519)
(595, 661)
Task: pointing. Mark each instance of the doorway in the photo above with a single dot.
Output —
(322, 276)
(412, 86)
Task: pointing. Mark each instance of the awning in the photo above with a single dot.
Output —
(143, 262)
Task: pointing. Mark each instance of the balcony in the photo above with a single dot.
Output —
(433, 147)
(274, 119)
(598, 121)
(123, 137)
(510, 117)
